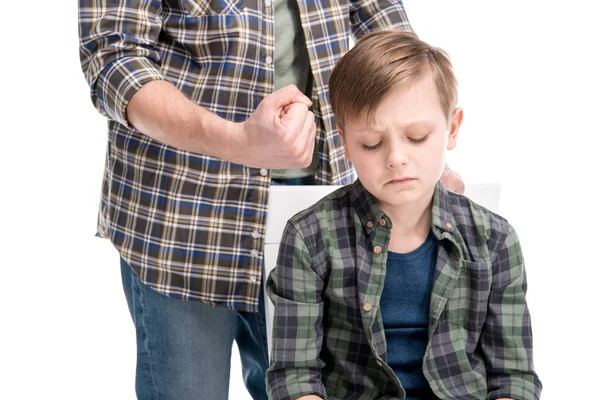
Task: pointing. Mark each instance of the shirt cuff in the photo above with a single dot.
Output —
(120, 80)
(290, 384)
(526, 387)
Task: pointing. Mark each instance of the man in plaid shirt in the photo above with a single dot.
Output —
(394, 287)
(208, 102)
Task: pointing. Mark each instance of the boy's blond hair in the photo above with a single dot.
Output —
(382, 61)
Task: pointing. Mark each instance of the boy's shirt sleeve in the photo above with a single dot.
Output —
(506, 338)
(295, 290)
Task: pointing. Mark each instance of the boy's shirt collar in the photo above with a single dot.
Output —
(366, 207)
(442, 216)
(370, 213)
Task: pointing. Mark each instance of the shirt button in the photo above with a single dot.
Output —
(253, 278)
(382, 222)
(367, 306)
(377, 249)
(254, 253)
(255, 235)
(263, 172)
(268, 3)
(269, 60)
(379, 363)
(448, 225)
(370, 224)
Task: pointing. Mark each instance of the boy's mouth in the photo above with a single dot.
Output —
(401, 181)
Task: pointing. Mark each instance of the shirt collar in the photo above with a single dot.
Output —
(365, 205)
(369, 212)
(442, 216)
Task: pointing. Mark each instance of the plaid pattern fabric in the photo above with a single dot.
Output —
(328, 336)
(192, 226)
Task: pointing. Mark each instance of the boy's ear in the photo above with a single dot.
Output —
(455, 123)
(346, 152)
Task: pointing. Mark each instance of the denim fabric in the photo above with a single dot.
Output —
(184, 347)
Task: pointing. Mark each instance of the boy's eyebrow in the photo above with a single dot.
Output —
(368, 133)
(416, 124)
(370, 129)
(367, 130)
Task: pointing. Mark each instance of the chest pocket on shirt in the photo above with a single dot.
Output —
(468, 302)
(196, 8)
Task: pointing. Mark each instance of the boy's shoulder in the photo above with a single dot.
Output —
(475, 224)
(463, 206)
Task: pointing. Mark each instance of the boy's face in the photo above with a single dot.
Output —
(400, 155)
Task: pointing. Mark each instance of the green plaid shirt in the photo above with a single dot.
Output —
(328, 336)
(192, 226)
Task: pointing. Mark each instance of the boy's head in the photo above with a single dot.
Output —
(394, 97)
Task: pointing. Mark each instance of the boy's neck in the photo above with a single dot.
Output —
(411, 225)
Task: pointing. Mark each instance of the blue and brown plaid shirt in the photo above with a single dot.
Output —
(328, 335)
(192, 226)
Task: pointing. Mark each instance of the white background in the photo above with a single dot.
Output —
(528, 74)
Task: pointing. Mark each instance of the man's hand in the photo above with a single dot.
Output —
(280, 133)
(452, 181)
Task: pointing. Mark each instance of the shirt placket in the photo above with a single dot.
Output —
(380, 229)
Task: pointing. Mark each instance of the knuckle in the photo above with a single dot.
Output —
(287, 139)
(297, 152)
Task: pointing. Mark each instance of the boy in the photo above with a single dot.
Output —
(393, 287)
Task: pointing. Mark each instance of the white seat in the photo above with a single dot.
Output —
(286, 201)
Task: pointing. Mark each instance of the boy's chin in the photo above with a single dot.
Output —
(403, 198)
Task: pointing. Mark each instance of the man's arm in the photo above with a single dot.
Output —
(506, 337)
(121, 63)
(118, 52)
(280, 133)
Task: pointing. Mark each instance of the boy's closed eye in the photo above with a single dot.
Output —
(417, 140)
(414, 140)
(371, 147)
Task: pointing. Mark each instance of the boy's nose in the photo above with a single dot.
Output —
(396, 157)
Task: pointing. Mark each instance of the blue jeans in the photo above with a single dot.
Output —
(184, 347)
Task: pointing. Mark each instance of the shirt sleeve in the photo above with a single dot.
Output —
(117, 49)
(372, 15)
(506, 338)
(296, 292)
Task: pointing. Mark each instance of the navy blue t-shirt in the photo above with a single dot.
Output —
(405, 313)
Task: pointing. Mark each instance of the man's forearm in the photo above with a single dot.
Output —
(162, 112)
